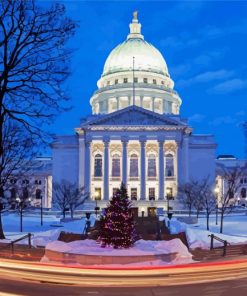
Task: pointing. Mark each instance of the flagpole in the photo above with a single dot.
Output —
(133, 80)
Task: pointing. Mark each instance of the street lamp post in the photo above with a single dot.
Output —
(168, 196)
(41, 210)
(96, 197)
(20, 204)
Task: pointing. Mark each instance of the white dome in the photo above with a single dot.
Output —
(147, 58)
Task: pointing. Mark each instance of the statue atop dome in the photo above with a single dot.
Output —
(135, 15)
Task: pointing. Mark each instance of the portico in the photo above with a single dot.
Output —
(145, 159)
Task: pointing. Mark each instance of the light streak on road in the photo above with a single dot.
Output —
(129, 277)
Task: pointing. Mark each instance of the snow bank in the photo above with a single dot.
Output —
(43, 238)
(141, 247)
(198, 238)
(175, 226)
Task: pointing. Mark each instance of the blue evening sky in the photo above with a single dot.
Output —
(203, 42)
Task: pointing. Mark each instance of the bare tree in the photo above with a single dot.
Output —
(33, 66)
(17, 153)
(187, 195)
(231, 184)
(67, 195)
(208, 199)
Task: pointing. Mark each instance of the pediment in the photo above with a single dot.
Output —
(134, 116)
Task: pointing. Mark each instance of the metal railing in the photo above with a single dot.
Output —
(225, 243)
(28, 236)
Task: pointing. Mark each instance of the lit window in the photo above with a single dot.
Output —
(151, 166)
(151, 193)
(145, 80)
(169, 165)
(125, 80)
(98, 193)
(115, 166)
(98, 165)
(154, 81)
(169, 193)
(134, 165)
(133, 193)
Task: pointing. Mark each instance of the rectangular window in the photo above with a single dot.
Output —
(116, 81)
(98, 167)
(133, 193)
(152, 167)
(154, 81)
(151, 193)
(125, 80)
(108, 82)
(134, 167)
(135, 79)
(162, 82)
(169, 193)
(145, 80)
(97, 193)
(116, 167)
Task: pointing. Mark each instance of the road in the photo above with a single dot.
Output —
(225, 288)
(214, 279)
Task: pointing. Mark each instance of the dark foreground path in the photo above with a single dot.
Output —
(225, 288)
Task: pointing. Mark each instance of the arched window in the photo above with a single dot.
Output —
(169, 165)
(243, 193)
(98, 165)
(116, 165)
(151, 166)
(133, 165)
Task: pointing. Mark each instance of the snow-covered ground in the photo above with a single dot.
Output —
(42, 234)
(234, 231)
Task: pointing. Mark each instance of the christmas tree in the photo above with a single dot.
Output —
(117, 227)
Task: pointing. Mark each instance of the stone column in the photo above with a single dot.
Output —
(87, 167)
(124, 160)
(186, 157)
(161, 169)
(117, 98)
(143, 168)
(141, 101)
(106, 141)
(129, 101)
(153, 103)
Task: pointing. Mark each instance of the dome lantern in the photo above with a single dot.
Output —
(135, 28)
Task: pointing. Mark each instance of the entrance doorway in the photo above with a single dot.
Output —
(152, 212)
(134, 212)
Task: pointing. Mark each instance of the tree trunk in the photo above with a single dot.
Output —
(221, 222)
(21, 219)
(71, 213)
(190, 211)
(1, 227)
(207, 221)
